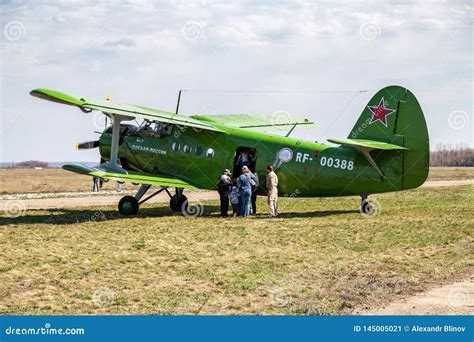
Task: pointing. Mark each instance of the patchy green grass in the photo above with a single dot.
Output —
(319, 257)
(450, 173)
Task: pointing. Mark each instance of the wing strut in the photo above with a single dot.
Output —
(114, 146)
(366, 153)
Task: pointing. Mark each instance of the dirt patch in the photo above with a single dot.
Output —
(98, 200)
(70, 200)
(453, 299)
(434, 184)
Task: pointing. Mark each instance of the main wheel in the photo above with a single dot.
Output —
(176, 204)
(128, 205)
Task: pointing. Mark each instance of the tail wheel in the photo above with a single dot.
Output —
(176, 203)
(366, 207)
(128, 205)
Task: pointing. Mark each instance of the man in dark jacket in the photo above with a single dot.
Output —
(223, 188)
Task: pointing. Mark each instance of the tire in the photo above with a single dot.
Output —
(366, 207)
(176, 205)
(128, 205)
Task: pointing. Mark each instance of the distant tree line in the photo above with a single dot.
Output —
(447, 155)
(443, 155)
(29, 164)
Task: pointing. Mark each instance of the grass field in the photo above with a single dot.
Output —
(58, 180)
(14, 181)
(450, 173)
(319, 257)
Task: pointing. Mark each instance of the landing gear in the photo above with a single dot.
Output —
(178, 200)
(365, 205)
(128, 205)
(369, 207)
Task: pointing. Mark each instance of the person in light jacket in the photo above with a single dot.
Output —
(272, 190)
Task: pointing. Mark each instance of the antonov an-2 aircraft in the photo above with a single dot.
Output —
(387, 150)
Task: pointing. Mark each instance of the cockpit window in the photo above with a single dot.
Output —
(124, 129)
(155, 130)
(150, 129)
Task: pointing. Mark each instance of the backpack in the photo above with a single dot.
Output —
(244, 181)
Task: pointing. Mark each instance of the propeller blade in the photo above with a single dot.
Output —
(87, 145)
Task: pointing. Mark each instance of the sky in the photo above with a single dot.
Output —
(316, 54)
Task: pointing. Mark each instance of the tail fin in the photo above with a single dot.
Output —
(394, 116)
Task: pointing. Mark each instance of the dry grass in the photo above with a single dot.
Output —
(450, 173)
(13, 181)
(319, 257)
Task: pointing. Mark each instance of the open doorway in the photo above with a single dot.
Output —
(244, 156)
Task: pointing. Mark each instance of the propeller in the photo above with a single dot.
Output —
(87, 145)
(96, 182)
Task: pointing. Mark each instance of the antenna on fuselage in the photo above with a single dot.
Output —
(179, 100)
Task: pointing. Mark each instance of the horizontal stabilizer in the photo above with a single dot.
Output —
(132, 177)
(369, 144)
(364, 146)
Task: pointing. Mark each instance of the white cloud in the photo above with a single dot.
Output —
(138, 52)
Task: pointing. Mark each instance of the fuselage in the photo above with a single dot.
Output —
(199, 157)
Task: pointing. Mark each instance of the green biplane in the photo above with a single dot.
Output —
(387, 150)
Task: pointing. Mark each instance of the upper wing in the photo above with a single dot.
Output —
(282, 120)
(219, 123)
(130, 111)
(133, 177)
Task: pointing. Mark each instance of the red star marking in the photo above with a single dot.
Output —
(380, 113)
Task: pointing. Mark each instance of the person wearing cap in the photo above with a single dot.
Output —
(272, 189)
(223, 188)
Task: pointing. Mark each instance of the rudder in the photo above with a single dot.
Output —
(393, 115)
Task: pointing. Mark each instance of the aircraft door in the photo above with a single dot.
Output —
(244, 156)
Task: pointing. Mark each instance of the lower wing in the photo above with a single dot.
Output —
(132, 177)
